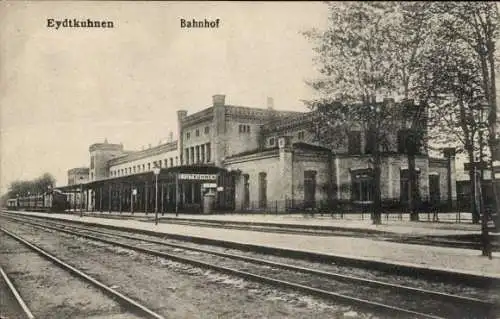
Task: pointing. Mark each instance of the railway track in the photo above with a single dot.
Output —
(15, 306)
(383, 297)
(129, 305)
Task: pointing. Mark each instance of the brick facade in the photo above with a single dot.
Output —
(275, 155)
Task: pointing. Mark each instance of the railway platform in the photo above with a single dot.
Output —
(465, 261)
(352, 223)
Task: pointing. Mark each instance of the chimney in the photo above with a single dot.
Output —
(218, 99)
(270, 103)
(170, 136)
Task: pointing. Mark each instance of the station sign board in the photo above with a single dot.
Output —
(198, 177)
(478, 165)
(209, 185)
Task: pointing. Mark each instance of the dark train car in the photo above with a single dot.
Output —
(12, 204)
(53, 201)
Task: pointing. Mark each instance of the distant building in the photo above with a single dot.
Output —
(256, 158)
(78, 175)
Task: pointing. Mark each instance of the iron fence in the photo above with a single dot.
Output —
(393, 209)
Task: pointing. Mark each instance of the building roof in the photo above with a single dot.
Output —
(239, 112)
(79, 170)
(288, 122)
(135, 155)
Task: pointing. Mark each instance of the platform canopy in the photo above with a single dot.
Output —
(166, 175)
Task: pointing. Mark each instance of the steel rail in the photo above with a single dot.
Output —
(16, 294)
(314, 291)
(346, 278)
(121, 297)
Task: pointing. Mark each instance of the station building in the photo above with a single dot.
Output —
(239, 158)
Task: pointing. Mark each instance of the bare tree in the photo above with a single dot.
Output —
(39, 185)
(370, 51)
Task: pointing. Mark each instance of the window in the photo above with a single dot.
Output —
(207, 129)
(202, 153)
(186, 155)
(244, 128)
(134, 169)
(246, 194)
(149, 166)
(405, 142)
(262, 190)
(354, 142)
(172, 161)
(362, 185)
(143, 167)
(92, 159)
(197, 154)
(271, 141)
(176, 160)
(434, 188)
(188, 135)
(405, 185)
(197, 132)
(191, 153)
(309, 188)
(208, 153)
(301, 135)
(369, 141)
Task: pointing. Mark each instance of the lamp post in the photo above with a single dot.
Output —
(48, 203)
(156, 172)
(81, 196)
(376, 111)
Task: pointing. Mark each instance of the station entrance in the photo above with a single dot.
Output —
(182, 189)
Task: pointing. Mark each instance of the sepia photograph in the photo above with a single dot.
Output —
(234, 159)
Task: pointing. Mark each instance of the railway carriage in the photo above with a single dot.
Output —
(47, 202)
(12, 204)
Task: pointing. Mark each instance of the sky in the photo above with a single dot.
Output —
(62, 90)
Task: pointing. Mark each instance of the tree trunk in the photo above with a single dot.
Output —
(473, 206)
(413, 189)
(492, 123)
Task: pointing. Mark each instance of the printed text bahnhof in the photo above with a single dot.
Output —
(79, 23)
